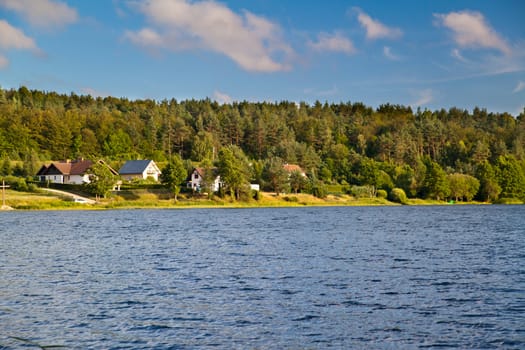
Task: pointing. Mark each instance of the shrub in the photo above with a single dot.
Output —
(16, 183)
(398, 195)
(31, 187)
(509, 200)
(362, 191)
(381, 194)
(319, 190)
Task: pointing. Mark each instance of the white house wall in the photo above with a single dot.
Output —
(57, 179)
(151, 171)
(78, 179)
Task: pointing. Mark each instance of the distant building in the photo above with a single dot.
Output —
(139, 169)
(290, 168)
(197, 176)
(69, 172)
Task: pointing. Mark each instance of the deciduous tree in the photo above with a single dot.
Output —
(173, 174)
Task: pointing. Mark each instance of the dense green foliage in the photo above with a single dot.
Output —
(101, 180)
(173, 174)
(346, 143)
(398, 195)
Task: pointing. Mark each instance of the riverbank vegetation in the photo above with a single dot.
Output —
(388, 154)
(163, 199)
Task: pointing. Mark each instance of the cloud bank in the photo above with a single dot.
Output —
(42, 13)
(251, 41)
(470, 30)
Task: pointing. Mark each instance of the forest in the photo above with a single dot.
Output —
(393, 150)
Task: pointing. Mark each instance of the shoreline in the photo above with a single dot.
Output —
(24, 201)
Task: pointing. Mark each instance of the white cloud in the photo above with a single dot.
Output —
(249, 40)
(375, 29)
(145, 37)
(471, 30)
(42, 13)
(14, 38)
(93, 92)
(222, 97)
(4, 62)
(388, 54)
(423, 97)
(519, 87)
(457, 55)
(332, 42)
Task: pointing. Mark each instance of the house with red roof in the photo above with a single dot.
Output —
(69, 172)
(290, 168)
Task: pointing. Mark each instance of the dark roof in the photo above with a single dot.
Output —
(76, 167)
(134, 167)
(43, 170)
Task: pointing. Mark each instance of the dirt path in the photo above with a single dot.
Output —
(75, 197)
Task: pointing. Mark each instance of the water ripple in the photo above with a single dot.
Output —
(402, 277)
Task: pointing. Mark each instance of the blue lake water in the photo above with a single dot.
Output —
(294, 278)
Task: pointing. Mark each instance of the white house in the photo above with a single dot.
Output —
(69, 172)
(197, 176)
(139, 169)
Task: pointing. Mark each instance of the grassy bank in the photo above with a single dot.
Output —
(162, 199)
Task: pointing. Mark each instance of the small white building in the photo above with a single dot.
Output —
(139, 169)
(197, 177)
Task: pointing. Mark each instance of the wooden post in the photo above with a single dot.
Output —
(3, 192)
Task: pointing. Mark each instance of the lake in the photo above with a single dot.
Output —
(274, 278)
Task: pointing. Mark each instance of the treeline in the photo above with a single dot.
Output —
(454, 154)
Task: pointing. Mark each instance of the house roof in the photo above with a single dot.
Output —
(43, 170)
(292, 167)
(135, 167)
(75, 167)
(202, 172)
(80, 167)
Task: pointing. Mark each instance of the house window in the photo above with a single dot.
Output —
(195, 176)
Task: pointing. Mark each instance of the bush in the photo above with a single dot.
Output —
(318, 189)
(256, 195)
(362, 191)
(16, 183)
(398, 195)
(508, 200)
(31, 187)
(291, 199)
(381, 194)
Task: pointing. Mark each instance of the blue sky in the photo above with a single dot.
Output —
(431, 54)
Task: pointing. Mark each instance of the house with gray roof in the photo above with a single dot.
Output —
(139, 169)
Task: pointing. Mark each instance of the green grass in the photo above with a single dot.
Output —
(151, 198)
